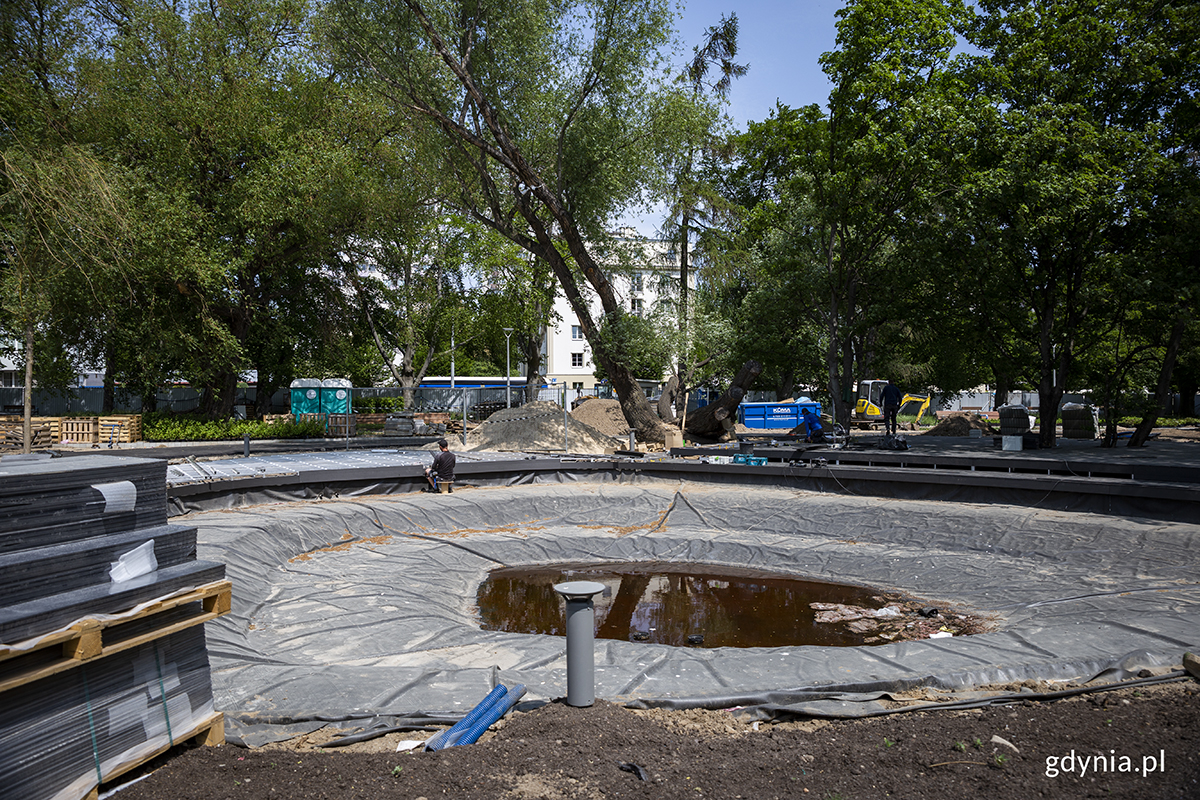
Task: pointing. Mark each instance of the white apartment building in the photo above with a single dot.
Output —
(648, 277)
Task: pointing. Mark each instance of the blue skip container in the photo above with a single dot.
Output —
(774, 415)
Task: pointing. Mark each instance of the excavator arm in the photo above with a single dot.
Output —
(914, 405)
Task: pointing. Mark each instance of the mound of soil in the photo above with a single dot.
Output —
(537, 427)
(603, 415)
(1148, 738)
(961, 423)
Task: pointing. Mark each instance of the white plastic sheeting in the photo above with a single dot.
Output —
(355, 610)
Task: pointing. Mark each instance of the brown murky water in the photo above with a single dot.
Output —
(682, 605)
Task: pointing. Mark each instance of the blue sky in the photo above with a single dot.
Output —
(780, 39)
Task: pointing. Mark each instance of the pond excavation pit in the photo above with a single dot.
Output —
(693, 605)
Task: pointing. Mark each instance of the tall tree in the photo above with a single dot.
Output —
(251, 169)
(552, 118)
(831, 194)
(1079, 93)
(62, 211)
(693, 200)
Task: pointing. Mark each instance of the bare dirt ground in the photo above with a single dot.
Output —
(1189, 434)
(1138, 743)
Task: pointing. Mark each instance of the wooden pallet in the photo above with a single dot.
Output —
(12, 436)
(210, 732)
(84, 640)
(82, 430)
(122, 429)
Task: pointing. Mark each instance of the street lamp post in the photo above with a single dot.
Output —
(507, 369)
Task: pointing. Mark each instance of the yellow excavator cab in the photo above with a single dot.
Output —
(869, 407)
(870, 400)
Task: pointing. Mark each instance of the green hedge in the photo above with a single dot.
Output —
(165, 427)
(1163, 422)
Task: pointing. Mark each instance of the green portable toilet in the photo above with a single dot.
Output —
(335, 396)
(306, 396)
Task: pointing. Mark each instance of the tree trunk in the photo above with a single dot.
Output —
(1003, 390)
(1142, 433)
(666, 402)
(27, 426)
(532, 193)
(530, 350)
(716, 420)
(110, 381)
(1053, 381)
(786, 386)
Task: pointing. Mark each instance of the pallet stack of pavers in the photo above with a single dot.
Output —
(103, 662)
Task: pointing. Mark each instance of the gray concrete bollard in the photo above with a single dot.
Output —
(581, 633)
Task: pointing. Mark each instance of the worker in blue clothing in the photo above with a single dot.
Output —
(812, 422)
(891, 398)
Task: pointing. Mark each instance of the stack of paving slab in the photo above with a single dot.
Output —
(103, 660)
(406, 424)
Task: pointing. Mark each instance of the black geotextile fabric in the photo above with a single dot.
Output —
(36, 573)
(33, 618)
(364, 611)
(66, 499)
(59, 734)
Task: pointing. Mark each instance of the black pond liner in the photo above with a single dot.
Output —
(378, 622)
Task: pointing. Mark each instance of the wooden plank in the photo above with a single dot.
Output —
(84, 640)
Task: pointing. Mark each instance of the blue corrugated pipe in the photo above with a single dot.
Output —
(443, 739)
(471, 734)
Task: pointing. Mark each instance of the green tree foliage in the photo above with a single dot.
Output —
(553, 118)
(419, 290)
(831, 194)
(639, 342)
(693, 200)
(63, 213)
(1073, 155)
(251, 171)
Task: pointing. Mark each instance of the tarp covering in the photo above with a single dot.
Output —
(357, 610)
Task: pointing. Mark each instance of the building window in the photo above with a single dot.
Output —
(635, 305)
(576, 359)
(577, 386)
(576, 332)
(637, 281)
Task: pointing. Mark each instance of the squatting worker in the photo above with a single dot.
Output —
(891, 406)
(443, 466)
(816, 431)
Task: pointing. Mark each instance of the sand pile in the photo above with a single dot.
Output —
(960, 423)
(534, 428)
(603, 415)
